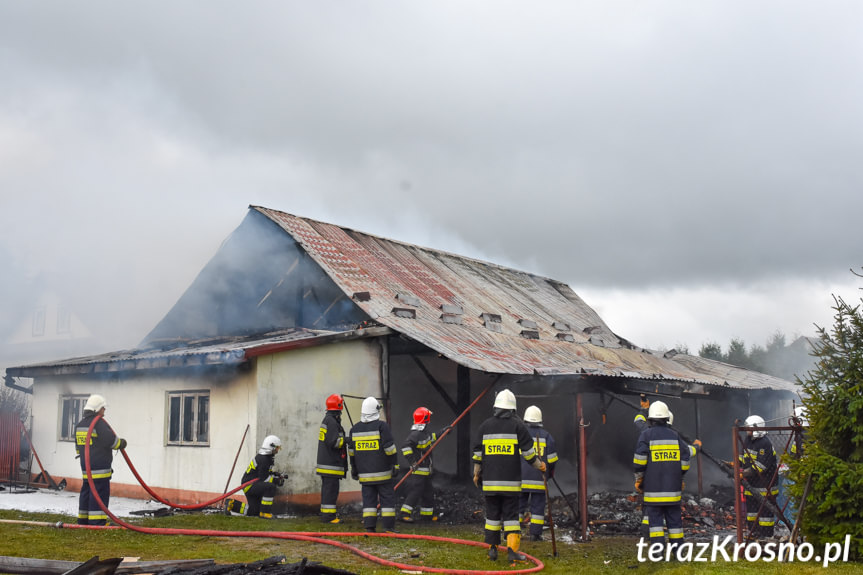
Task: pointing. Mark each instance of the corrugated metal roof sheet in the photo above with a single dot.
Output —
(230, 351)
(419, 292)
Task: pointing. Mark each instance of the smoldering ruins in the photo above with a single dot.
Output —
(290, 310)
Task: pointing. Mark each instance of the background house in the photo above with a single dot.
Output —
(290, 310)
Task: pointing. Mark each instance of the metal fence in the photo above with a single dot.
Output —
(787, 442)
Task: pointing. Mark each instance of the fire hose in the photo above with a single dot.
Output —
(310, 537)
(447, 429)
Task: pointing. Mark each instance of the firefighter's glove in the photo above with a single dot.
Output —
(683, 486)
(697, 444)
(639, 481)
(477, 474)
(355, 474)
(539, 464)
(279, 479)
(122, 444)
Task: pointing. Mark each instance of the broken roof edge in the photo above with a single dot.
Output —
(214, 355)
(263, 211)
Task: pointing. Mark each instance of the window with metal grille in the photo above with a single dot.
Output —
(189, 418)
(71, 412)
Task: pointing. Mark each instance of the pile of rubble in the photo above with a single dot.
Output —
(609, 513)
(620, 514)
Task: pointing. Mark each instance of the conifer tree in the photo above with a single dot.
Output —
(833, 451)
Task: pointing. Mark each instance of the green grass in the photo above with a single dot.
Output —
(603, 555)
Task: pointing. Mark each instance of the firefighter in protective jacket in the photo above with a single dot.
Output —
(102, 442)
(419, 482)
(533, 484)
(332, 463)
(758, 463)
(661, 459)
(259, 495)
(641, 424)
(373, 453)
(503, 442)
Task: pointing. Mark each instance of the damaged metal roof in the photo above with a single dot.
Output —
(488, 317)
(204, 353)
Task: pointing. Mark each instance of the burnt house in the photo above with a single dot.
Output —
(290, 310)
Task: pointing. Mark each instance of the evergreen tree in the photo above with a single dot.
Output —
(833, 452)
(737, 353)
(711, 351)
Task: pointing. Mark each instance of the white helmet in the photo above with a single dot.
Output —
(505, 400)
(755, 421)
(658, 410)
(270, 445)
(800, 414)
(370, 406)
(94, 403)
(533, 414)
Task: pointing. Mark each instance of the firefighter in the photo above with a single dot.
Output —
(419, 482)
(102, 441)
(758, 463)
(374, 464)
(661, 459)
(332, 464)
(503, 442)
(533, 484)
(641, 423)
(259, 495)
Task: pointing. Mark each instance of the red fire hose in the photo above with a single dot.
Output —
(311, 537)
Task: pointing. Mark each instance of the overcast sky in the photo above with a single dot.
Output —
(692, 169)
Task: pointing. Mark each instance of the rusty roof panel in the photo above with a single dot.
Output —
(362, 263)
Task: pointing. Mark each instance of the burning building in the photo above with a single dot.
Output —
(290, 310)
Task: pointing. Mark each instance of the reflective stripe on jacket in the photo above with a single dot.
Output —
(332, 446)
(102, 441)
(662, 458)
(503, 442)
(543, 443)
(372, 451)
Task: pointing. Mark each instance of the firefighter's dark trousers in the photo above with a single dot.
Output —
(501, 514)
(533, 500)
(259, 497)
(660, 517)
(761, 524)
(419, 490)
(379, 494)
(89, 512)
(329, 497)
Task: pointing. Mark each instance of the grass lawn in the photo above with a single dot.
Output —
(602, 555)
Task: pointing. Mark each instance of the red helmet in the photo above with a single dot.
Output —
(422, 415)
(335, 401)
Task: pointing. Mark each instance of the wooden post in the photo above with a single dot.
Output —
(582, 467)
(463, 447)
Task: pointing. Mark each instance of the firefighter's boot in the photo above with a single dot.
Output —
(234, 507)
(492, 552)
(513, 542)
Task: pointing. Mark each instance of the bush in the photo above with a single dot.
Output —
(833, 451)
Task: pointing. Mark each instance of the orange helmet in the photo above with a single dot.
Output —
(335, 401)
(422, 415)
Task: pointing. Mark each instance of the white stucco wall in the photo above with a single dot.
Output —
(293, 387)
(137, 411)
